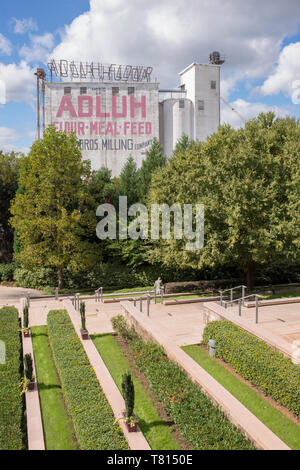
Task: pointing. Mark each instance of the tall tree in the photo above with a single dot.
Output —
(9, 169)
(154, 160)
(54, 214)
(248, 181)
(129, 181)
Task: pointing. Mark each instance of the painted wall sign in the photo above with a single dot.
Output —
(100, 72)
(112, 121)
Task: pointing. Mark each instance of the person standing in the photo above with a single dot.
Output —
(158, 286)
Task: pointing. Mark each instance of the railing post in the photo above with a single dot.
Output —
(101, 294)
(96, 295)
(256, 309)
(162, 295)
(231, 296)
(148, 304)
(221, 297)
(56, 293)
(243, 295)
(134, 301)
(141, 304)
(154, 295)
(225, 305)
(240, 308)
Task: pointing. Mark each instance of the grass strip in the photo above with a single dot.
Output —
(286, 429)
(156, 431)
(58, 428)
(92, 416)
(11, 402)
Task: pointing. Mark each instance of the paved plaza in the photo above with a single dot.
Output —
(183, 324)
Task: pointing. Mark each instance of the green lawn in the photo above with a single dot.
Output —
(285, 295)
(281, 425)
(155, 430)
(58, 429)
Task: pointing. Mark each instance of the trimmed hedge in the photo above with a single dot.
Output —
(270, 371)
(202, 424)
(93, 419)
(7, 272)
(11, 403)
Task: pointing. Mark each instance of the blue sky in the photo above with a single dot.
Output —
(261, 42)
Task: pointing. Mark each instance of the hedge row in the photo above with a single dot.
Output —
(271, 372)
(92, 416)
(11, 405)
(202, 424)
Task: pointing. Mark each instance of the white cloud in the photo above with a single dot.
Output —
(170, 36)
(286, 73)
(39, 48)
(244, 110)
(24, 25)
(8, 139)
(5, 45)
(19, 82)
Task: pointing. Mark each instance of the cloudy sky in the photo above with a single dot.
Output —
(259, 38)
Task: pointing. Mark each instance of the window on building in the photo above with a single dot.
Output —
(200, 105)
(213, 84)
(83, 90)
(181, 103)
(131, 90)
(67, 90)
(115, 90)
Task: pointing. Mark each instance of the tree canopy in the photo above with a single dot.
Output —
(248, 181)
(9, 170)
(55, 213)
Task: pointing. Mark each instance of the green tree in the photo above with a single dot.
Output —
(154, 160)
(104, 187)
(9, 169)
(248, 181)
(129, 181)
(54, 214)
(183, 144)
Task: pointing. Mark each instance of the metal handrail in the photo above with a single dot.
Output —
(232, 288)
(241, 302)
(231, 292)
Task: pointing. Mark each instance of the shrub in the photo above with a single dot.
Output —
(7, 272)
(28, 367)
(202, 424)
(82, 315)
(128, 394)
(267, 369)
(94, 422)
(11, 407)
(25, 317)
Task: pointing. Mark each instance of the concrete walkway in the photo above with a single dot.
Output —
(13, 294)
(35, 433)
(237, 413)
(136, 440)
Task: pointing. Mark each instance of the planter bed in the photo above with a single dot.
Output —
(58, 428)
(202, 424)
(11, 402)
(93, 419)
(280, 421)
(272, 373)
(155, 429)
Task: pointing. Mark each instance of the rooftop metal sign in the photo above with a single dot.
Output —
(100, 72)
